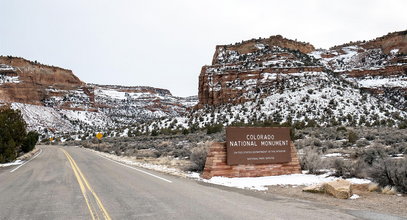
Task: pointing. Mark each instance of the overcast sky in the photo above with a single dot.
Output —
(164, 43)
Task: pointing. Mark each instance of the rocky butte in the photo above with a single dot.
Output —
(248, 70)
(34, 80)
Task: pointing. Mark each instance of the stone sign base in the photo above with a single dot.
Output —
(216, 165)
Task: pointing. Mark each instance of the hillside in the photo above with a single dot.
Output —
(54, 100)
(355, 84)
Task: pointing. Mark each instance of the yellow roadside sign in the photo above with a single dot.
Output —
(99, 136)
(51, 139)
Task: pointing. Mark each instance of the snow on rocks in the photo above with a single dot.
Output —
(8, 79)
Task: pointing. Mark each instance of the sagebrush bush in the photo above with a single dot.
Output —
(370, 155)
(348, 168)
(311, 160)
(214, 128)
(198, 157)
(352, 137)
(390, 172)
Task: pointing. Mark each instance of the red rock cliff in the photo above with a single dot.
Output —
(249, 46)
(34, 81)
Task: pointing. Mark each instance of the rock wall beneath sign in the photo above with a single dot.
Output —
(216, 165)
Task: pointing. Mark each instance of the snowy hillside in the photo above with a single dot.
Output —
(129, 105)
(102, 108)
(51, 120)
(308, 97)
(357, 84)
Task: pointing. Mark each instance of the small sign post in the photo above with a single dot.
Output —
(99, 137)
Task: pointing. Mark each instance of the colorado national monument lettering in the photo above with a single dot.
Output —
(258, 145)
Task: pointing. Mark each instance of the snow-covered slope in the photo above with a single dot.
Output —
(317, 98)
(102, 108)
(52, 120)
(362, 83)
(128, 105)
(54, 100)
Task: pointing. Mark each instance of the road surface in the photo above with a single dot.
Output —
(74, 183)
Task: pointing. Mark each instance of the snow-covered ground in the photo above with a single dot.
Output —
(40, 117)
(261, 183)
(386, 82)
(14, 163)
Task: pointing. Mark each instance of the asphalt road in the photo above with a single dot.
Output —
(73, 183)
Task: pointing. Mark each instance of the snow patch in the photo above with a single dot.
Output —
(354, 196)
(14, 163)
(333, 155)
(260, 46)
(261, 183)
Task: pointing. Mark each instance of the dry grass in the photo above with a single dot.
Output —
(389, 190)
(373, 187)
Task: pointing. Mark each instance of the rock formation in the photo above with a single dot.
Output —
(34, 81)
(53, 98)
(246, 71)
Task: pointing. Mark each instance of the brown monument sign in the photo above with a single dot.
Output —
(258, 145)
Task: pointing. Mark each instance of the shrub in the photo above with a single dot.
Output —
(214, 129)
(29, 141)
(362, 143)
(198, 157)
(12, 133)
(370, 137)
(348, 169)
(311, 160)
(371, 155)
(154, 133)
(390, 172)
(185, 131)
(352, 137)
(182, 153)
(341, 129)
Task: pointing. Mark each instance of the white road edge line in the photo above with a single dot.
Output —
(32, 158)
(136, 169)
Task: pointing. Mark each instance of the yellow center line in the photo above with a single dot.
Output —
(84, 185)
(83, 190)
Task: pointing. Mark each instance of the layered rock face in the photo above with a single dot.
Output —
(247, 71)
(54, 99)
(34, 80)
(378, 66)
(249, 46)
